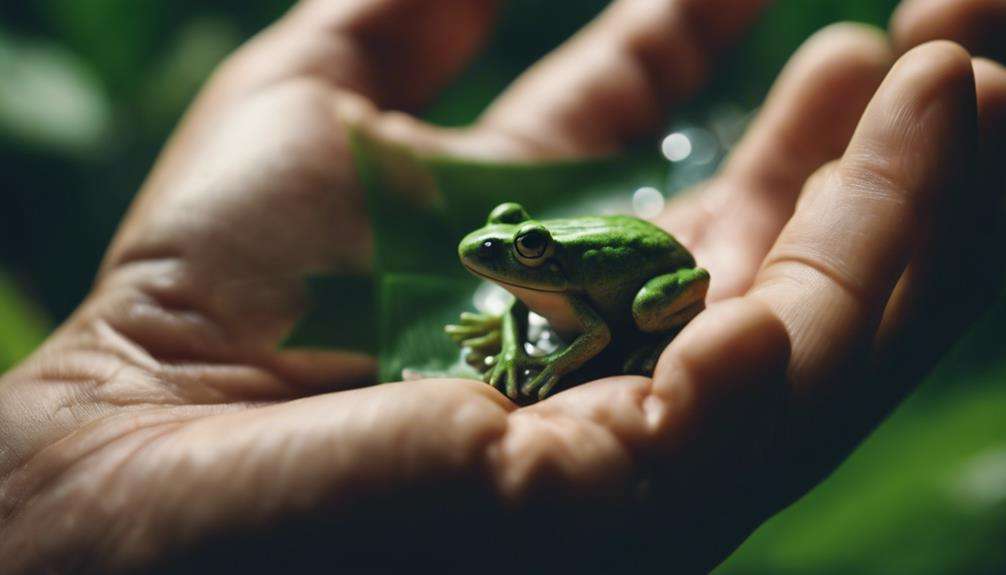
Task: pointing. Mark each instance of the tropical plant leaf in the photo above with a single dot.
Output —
(22, 324)
(925, 495)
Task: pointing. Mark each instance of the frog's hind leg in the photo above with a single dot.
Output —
(644, 359)
(670, 301)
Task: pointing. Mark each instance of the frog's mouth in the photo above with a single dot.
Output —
(503, 282)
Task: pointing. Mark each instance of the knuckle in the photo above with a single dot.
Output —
(849, 47)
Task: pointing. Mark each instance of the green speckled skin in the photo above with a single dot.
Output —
(613, 284)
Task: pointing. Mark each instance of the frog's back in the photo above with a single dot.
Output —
(622, 246)
(609, 258)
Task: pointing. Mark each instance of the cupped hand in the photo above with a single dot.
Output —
(849, 238)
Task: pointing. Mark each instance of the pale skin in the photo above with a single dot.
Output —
(160, 419)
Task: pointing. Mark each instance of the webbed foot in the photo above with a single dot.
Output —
(481, 336)
(542, 383)
(509, 369)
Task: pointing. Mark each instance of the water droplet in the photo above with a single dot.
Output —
(705, 146)
(676, 147)
(647, 203)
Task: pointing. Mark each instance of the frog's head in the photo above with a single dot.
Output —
(512, 249)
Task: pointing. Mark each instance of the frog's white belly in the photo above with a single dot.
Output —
(553, 306)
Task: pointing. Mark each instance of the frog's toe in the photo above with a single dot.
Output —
(462, 331)
(481, 320)
(546, 389)
(650, 365)
(511, 383)
(536, 382)
(477, 360)
(633, 364)
(488, 342)
(498, 374)
(472, 336)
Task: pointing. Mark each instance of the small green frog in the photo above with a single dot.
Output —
(617, 288)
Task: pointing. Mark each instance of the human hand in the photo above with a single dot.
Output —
(160, 421)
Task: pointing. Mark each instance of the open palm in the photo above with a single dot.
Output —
(161, 426)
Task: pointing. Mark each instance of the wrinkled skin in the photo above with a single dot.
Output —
(160, 428)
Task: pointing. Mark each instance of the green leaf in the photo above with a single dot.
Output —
(414, 310)
(22, 324)
(338, 301)
(925, 495)
(422, 206)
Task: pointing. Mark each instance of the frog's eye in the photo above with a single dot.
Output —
(533, 244)
(509, 213)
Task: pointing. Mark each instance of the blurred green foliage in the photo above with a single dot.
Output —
(90, 89)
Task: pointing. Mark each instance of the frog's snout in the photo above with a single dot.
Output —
(488, 250)
(485, 254)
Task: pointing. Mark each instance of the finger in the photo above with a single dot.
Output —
(990, 80)
(812, 110)
(735, 351)
(975, 24)
(615, 80)
(960, 263)
(392, 53)
(415, 463)
(807, 121)
(991, 87)
(660, 448)
(835, 264)
(387, 53)
(405, 452)
(397, 53)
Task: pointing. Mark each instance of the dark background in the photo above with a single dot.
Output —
(90, 89)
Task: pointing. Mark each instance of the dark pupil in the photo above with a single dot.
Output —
(531, 245)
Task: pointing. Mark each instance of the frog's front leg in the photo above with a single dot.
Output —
(670, 301)
(595, 337)
(479, 334)
(512, 360)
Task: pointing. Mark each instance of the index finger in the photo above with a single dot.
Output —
(833, 270)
